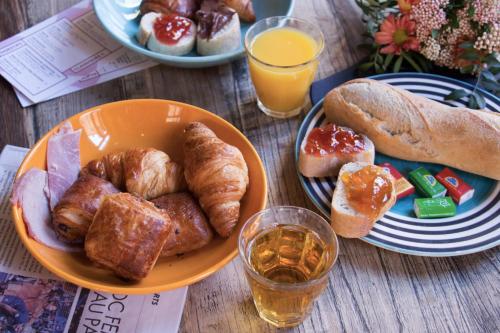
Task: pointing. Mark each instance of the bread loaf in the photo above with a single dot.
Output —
(411, 127)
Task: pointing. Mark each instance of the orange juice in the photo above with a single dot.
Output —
(282, 66)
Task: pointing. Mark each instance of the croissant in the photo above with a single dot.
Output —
(185, 8)
(217, 175)
(244, 9)
(145, 172)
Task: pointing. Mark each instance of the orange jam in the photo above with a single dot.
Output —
(331, 138)
(367, 190)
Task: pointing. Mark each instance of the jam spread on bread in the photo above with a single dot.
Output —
(367, 190)
(169, 29)
(331, 138)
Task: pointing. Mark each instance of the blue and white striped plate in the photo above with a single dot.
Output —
(476, 227)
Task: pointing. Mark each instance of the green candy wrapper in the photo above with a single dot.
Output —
(434, 207)
(426, 184)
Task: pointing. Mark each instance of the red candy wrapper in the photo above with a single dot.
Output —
(458, 190)
(403, 187)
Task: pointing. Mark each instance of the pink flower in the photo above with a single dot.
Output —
(397, 34)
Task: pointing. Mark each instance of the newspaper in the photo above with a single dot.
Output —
(34, 300)
(65, 53)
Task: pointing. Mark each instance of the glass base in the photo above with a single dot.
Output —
(279, 114)
(286, 322)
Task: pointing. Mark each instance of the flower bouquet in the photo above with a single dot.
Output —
(461, 35)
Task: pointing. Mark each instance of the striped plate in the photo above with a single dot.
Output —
(476, 226)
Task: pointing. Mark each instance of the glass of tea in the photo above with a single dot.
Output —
(287, 253)
(283, 57)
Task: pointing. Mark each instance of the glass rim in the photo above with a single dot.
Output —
(315, 57)
(280, 285)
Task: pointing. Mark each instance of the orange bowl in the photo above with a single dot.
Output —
(145, 123)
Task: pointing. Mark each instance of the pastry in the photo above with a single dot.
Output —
(217, 175)
(185, 8)
(190, 229)
(146, 172)
(218, 29)
(362, 195)
(127, 235)
(325, 149)
(173, 35)
(244, 8)
(75, 211)
(411, 127)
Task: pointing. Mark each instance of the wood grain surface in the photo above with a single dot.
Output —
(370, 289)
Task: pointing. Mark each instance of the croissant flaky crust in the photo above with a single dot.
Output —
(75, 211)
(190, 229)
(127, 235)
(146, 172)
(217, 174)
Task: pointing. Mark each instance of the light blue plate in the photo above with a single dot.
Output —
(476, 226)
(120, 19)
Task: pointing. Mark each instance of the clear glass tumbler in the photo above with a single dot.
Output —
(287, 253)
(280, 83)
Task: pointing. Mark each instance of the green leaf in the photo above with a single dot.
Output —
(471, 11)
(481, 103)
(491, 86)
(472, 102)
(387, 60)
(397, 64)
(467, 69)
(366, 66)
(435, 33)
(487, 75)
(423, 61)
(411, 62)
(469, 54)
(466, 45)
(378, 69)
(456, 94)
(491, 60)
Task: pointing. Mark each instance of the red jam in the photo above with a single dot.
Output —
(333, 139)
(367, 189)
(169, 29)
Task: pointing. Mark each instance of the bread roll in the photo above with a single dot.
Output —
(415, 128)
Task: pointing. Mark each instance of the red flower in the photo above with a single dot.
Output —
(397, 34)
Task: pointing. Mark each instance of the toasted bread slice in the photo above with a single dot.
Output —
(345, 220)
(311, 165)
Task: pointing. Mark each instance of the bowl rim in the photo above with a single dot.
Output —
(130, 290)
(211, 60)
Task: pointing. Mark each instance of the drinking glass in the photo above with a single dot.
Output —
(282, 89)
(287, 254)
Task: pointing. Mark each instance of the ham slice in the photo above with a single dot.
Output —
(63, 161)
(28, 193)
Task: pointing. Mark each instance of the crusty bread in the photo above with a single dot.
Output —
(346, 221)
(329, 165)
(411, 127)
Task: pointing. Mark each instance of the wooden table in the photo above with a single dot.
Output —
(370, 289)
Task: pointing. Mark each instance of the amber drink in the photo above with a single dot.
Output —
(287, 252)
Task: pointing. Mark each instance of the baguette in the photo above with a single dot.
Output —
(345, 220)
(411, 127)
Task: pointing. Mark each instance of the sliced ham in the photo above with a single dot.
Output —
(29, 194)
(63, 161)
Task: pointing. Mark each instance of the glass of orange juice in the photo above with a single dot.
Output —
(282, 58)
